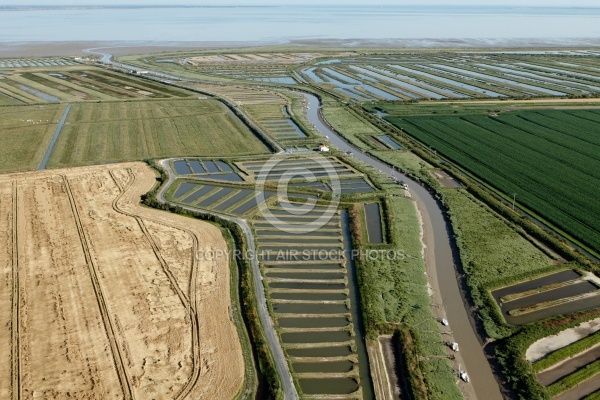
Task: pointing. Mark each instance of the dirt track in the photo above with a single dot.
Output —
(110, 302)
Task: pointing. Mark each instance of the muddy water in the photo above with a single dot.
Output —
(334, 351)
(550, 295)
(335, 366)
(275, 232)
(475, 362)
(308, 296)
(328, 386)
(306, 266)
(303, 276)
(315, 337)
(536, 283)
(323, 322)
(361, 349)
(308, 286)
(307, 255)
(291, 308)
(567, 308)
(324, 240)
(373, 217)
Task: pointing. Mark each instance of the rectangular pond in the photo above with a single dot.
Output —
(216, 197)
(233, 199)
(328, 386)
(181, 167)
(197, 167)
(374, 228)
(325, 367)
(315, 337)
(333, 351)
(320, 322)
(198, 194)
(390, 142)
(184, 188)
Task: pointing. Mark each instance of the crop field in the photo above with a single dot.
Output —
(102, 298)
(79, 84)
(557, 294)
(25, 134)
(455, 76)
(118, 131)
(530, 154)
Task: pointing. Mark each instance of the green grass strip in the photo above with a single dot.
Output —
(566, 352)
(574, 379)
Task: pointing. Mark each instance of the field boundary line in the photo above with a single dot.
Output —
(15, 355)
(54, 138)
(124, 379)
(189, 301)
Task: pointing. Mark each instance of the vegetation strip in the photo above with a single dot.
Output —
(55, 138)
(567, 352)
(570, 381)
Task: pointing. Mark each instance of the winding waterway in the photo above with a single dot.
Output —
(439, 245)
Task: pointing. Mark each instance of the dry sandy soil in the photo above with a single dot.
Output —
(103, 299)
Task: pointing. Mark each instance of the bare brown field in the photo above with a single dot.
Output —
(101, 298)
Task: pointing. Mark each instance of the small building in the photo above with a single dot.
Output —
(323, 148)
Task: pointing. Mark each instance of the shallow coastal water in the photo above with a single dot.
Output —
(283, 23)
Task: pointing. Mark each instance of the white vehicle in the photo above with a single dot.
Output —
(444, 322)
(463, 374)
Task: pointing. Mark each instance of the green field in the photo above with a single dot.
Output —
(25, 143)
(120, 131)
(549, 158)
(70, 84)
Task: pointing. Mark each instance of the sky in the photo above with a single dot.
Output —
(565, 3)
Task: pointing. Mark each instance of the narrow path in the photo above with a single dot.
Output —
(55, 138)
(124, 379)
(15, 355)
(290, 392)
